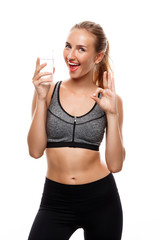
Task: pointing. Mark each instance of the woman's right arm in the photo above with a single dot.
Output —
(37, 137)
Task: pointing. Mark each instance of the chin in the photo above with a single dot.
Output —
(74, 77)
(77, 75)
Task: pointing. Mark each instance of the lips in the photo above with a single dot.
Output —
(73, 66)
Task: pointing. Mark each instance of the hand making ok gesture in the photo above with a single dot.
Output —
(108, 101)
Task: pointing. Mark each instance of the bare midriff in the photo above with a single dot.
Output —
(75, 165)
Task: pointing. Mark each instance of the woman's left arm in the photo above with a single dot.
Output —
(114, 149)
(112, 105)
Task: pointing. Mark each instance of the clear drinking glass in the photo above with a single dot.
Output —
(47, 56)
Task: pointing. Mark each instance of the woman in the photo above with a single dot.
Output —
(69, 121)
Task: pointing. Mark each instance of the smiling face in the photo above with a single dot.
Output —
(79, 53)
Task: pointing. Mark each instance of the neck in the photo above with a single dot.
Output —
(83, 83)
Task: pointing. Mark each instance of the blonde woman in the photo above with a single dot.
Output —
(69, 121)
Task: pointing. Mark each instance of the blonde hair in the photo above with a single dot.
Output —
(101, 44)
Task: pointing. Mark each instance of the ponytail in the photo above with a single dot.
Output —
(101, 67)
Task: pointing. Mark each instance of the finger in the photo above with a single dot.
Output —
(38, 76)
(45, 80)
(97, 91)
(113, 85)
(37, 62)
(105, 79)
(38, 66)
(109, 80)
(42, 66)
(95, 94)
(108, 93)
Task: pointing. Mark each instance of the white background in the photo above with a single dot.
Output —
(132, 28)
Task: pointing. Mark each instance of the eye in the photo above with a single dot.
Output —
(83, 50)
(67, 45)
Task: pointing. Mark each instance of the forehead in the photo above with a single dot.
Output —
(81, 36)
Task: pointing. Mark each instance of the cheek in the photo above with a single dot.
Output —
(64, 54)
(87, 60)
(90, 62)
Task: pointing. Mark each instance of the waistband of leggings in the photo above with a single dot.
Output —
(94, 188)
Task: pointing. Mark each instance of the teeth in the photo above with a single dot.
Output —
(73, 64)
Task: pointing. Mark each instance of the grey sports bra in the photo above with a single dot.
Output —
(65, 130)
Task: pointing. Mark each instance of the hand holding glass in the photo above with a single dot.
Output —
(49, 60)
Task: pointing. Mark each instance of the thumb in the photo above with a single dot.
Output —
(95, 98)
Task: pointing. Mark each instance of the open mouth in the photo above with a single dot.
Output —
(73, 66)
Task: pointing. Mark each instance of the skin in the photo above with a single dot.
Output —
(77, 165)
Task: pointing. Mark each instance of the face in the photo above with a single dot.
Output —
(79, 52)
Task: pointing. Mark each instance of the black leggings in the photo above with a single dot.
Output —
(95, 207)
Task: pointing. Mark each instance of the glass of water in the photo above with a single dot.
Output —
(47, 56)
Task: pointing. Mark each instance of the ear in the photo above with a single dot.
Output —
(99, 57)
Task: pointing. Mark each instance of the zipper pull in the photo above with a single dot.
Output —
(75, 118)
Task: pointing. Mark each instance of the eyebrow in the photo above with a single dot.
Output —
(79, 45)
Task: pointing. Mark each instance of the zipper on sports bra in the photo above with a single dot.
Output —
(74, 129)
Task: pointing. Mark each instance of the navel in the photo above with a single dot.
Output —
(73, 178)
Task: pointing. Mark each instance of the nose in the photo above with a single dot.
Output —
(71, 55)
